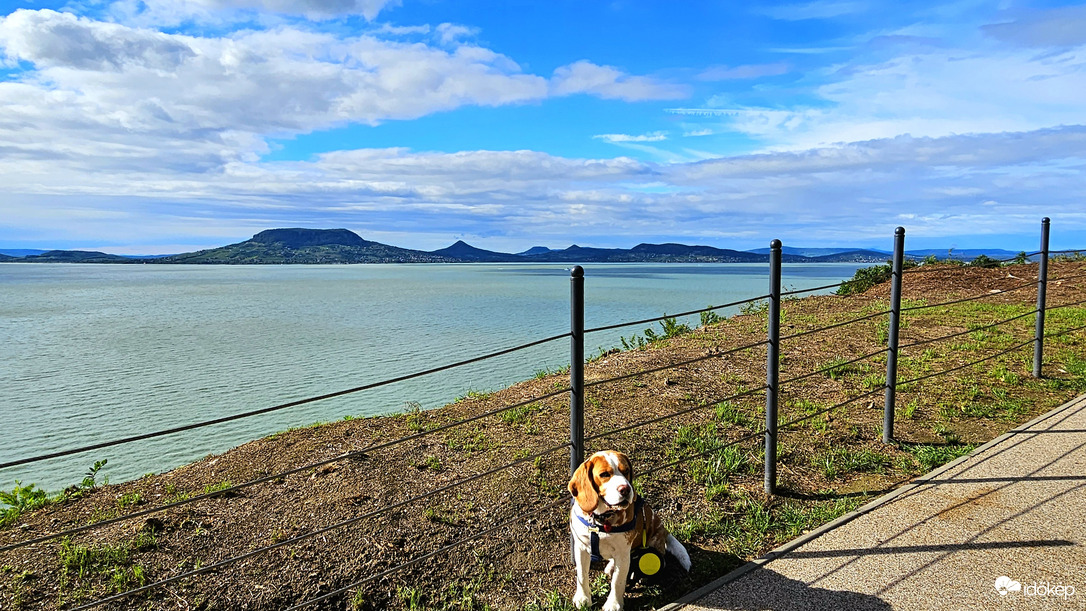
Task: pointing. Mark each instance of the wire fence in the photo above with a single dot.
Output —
(576, 391)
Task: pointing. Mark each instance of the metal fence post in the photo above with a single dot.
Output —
(576, 368)
(576, 380)
(892, 335)
(1042, 287)
(772, 366)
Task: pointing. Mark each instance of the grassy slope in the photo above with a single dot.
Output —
(830, 462)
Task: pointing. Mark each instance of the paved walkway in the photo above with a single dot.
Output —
(1015, 508)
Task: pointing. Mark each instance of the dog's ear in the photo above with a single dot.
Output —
(583, 488)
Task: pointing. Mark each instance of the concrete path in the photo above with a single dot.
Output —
(1014, 510)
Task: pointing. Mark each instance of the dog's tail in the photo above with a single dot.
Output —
(677, 550)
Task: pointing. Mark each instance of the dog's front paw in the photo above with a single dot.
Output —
(612, 605)
(582, 600)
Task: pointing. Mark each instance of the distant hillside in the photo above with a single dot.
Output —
(76, 256)
(317, 246)
(21, 252)
(535, 250)
(311, 246)
(807, 252)
(966, 254)
(854, 256)
(462, 251)
(695, 253)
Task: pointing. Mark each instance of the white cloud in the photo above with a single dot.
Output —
(449, 33)
(1058, 27)
(613, 138)
(173, 12)
(610, 83)
(919, 90)
(849, 194)
(110, 91)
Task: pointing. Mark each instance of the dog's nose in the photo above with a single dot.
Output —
(624, 490)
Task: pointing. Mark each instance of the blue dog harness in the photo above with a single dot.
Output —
(595, 528)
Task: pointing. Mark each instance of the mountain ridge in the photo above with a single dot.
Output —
(328, 246)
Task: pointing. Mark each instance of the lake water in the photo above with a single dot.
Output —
(98, 352)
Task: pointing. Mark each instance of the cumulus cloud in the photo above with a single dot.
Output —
(141, 96)
(109, 90)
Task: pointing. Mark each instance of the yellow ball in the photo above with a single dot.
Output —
(649, 564)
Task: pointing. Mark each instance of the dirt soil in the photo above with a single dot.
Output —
(332, 529)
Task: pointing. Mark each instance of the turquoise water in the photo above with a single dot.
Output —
(98, 352)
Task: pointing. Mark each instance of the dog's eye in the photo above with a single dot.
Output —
(605, 475)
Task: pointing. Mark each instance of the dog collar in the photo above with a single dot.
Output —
(599, 521)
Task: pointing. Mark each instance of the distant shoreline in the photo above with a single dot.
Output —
(341, 246)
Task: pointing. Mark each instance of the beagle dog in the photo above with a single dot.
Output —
(606, 508)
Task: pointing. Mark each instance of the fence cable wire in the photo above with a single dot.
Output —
(811, 290)
(674, 414)
(313, 533)
(189, 427)
(705, 357)
(959, 367)
(832, 367)
(1064, 278)
(275, 476)
(965, 299)
(427, 556)
(679, 315)
(829, 409)
(921, 342)
(1065, 305)
(687, 458)
(1065, 331)
(835, 325)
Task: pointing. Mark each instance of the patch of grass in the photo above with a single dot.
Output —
(839, 368)
(710, 318)
(20, 500)
(473, 395)
(519, 415)
(909, 409)
(114, 562)
(541, 482)
(469, 441)
(729, 413)
(433, 463)
(129, 499)
(551, 601)
(221, 487)
(411, 598)
(669, 327)
(931, 456)
(840, 461)
(873, 381)
(412, 416)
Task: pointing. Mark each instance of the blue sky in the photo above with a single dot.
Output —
(156, 126)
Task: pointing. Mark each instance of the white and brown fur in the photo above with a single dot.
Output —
(601, 485)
